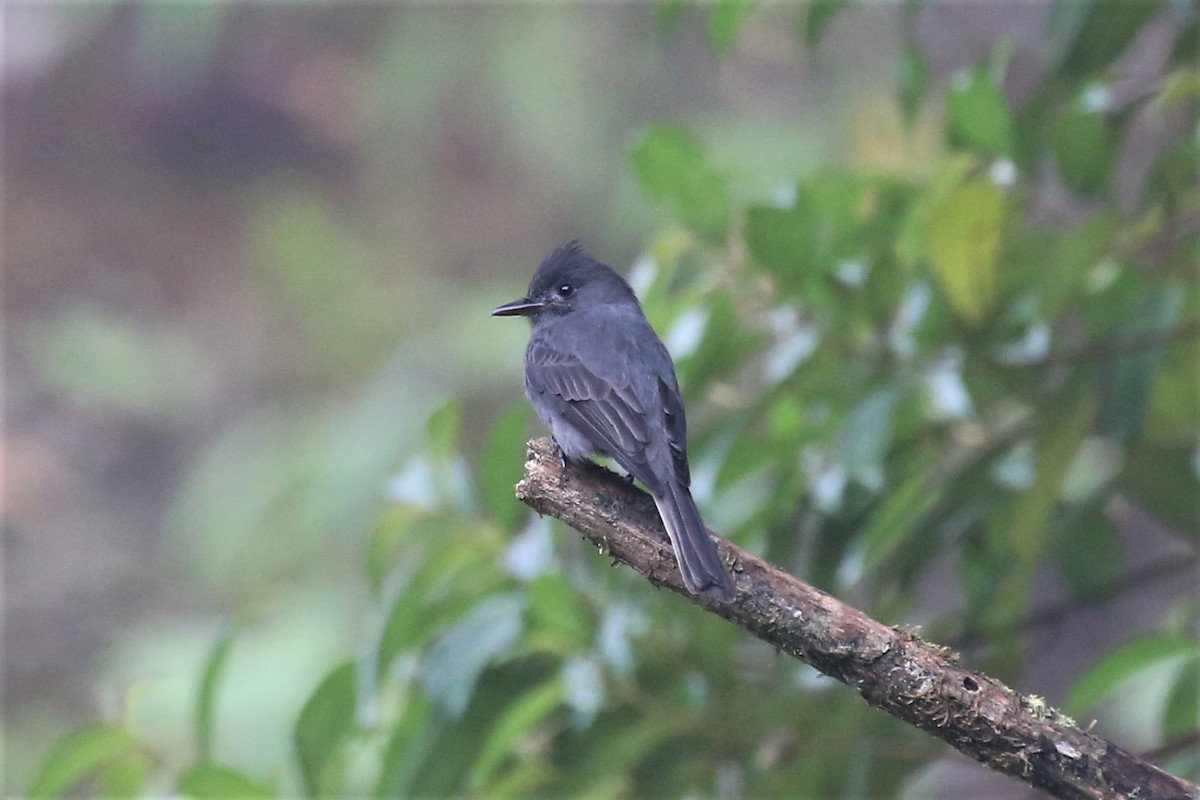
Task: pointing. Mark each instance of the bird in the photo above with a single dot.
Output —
(603, 382)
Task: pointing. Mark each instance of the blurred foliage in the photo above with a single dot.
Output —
(897, 369)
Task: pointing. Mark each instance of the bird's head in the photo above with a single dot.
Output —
(567, 279)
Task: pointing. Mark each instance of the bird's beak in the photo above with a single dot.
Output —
(517, 308)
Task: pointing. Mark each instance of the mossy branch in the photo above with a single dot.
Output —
(893, 669)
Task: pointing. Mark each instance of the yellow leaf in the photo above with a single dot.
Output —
(964, 238)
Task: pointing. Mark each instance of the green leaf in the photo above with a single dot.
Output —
(672, 168)
(1085, 151)
(1179, 87)
(726, 345)
(556, 609)
(206, 698)
(1174, 411)
(1164, 483)
(1063, 22)
(891, 523)
(431, 602)
(782, 240)
(212, 782)
(724, 21)
(912, 81)
(1181, 712)
(325, 720)
(984, 564)
(392, 524)
(1106, 31)
(523, 780)
(1089, 554)
(1104, 677)
(412, 739)
(1186, 51)
(1171, 178)
(504, 464)
(1130, 375)
(455, 661)
(441, 431)
(440, 587)
(864, 439)
(1076, 255)
(1059, 434)
(77, 755)
(963, 242)
(912, 240)
(837, 218)
(977, 114)
(126, 776)
(446, 767)
(820, 14)
(609, 752)
(514, 726)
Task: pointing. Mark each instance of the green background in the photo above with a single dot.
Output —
(928, 272)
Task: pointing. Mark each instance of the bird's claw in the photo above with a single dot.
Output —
(562, 460)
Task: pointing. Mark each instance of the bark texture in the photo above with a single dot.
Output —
(893, 669)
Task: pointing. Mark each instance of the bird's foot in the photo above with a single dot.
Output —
(562, 460)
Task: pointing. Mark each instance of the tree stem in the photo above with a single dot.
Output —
(892, 668)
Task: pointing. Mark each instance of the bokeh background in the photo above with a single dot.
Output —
(249, 248)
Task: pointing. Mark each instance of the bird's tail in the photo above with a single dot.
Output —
(699, 562)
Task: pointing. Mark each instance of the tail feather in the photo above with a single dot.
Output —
(699, 562)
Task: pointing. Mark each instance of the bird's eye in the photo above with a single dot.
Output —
(566, 290)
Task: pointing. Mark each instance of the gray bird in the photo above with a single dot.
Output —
(602, 381)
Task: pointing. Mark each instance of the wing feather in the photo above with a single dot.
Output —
(607, 411)
(676, 430)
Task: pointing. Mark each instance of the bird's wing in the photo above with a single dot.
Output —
(676, 424)
(604, 409)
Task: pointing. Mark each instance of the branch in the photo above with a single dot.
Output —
(893, 669)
